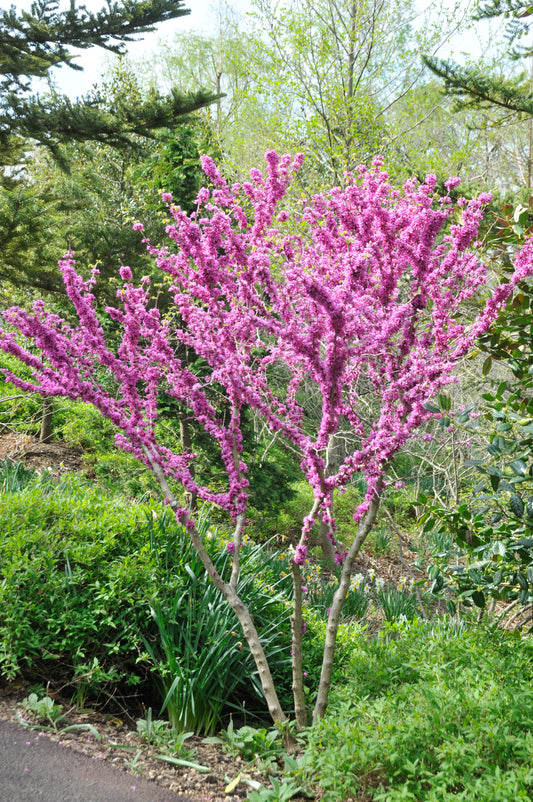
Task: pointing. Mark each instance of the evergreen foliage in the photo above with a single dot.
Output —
(473, 85)
(117, 126)
(34, 42)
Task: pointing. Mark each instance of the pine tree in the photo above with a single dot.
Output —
(32, 43)
(474, 86)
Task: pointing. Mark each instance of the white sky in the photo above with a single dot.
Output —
(202, 19)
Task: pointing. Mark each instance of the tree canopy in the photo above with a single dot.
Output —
(474, 85)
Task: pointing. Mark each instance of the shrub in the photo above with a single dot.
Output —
(73, 576)
(430, 712)
(80, 572)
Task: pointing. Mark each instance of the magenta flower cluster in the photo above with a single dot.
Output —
(361, 287)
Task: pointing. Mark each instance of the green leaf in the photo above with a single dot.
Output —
(522, 581)
(519, 467)
(478, 598)
(504, 427)
(444, 402)
(495, 481)
(516, 505)
(433, 572)
(502, 387)
(523, 543)
(176, 761)
(487, 365)
(438, 584)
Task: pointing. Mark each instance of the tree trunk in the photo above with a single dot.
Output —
(333, 460)
(297, 625)
(336, 608)
(228, 591)
(186, 447)
(46, 421)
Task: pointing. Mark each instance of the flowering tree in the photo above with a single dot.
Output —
(364, 284)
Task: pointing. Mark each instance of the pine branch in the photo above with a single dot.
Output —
(515, 13)
(474, 87)
(55, 121)
(33, 42)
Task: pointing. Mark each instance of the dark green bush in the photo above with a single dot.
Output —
(73, 575)
(80, 572)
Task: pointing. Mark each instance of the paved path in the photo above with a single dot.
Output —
(34, 768)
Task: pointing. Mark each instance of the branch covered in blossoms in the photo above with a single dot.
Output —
(362, 285)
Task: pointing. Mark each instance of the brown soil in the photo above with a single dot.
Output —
(56, 455)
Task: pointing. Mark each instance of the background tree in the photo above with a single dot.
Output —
(430, 135)
(337, 70)
(33, 218)
(474, 84)
(91, 207)
(490, 555)
(33, 43)
(507, 92)
(230, 61)
(326, 76)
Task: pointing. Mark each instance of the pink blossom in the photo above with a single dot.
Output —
(300, 555)
(323, 301)
(452, 182)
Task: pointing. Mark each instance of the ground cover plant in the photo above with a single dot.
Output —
(364, 287)
(429, 711)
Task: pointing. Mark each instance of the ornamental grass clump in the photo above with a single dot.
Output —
(364, 284)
